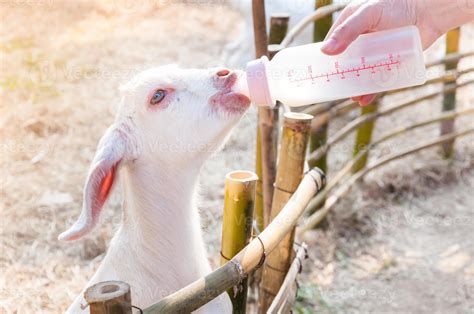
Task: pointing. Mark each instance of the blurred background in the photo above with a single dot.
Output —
(401, 242)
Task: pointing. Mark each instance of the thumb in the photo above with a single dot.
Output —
(361, 21)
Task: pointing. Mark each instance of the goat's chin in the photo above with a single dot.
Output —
(229, 103)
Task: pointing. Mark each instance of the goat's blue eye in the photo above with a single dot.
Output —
(157, 97)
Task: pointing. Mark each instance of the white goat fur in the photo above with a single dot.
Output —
(158, 248)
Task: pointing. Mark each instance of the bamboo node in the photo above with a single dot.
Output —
(297, 121)
(318, 176)
(300, 262)
(264, 255)
(268, 291)
(275, 269)
(304, 247)
(239, 269)
(224, 257)
(281, 189)
(237, 289)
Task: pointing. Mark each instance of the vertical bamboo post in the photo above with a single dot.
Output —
(259, 214)
(278, 30)
(319, 130)
(109, 297)
(364, 136)
(239, 200)
(449, 100)
(294, 141)
(322, 26)
(266, 155)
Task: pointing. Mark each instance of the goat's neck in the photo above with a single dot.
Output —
(160, 218)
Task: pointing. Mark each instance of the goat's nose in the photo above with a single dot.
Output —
(223, 73)
(224, 78)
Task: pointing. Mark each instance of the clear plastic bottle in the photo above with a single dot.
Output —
(303, 75)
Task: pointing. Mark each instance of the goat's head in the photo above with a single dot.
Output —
(169, 117)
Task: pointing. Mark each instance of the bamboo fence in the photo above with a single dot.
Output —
(247, 260)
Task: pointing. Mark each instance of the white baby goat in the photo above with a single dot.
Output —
(169, 122)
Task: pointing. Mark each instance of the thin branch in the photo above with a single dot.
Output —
(454, 57)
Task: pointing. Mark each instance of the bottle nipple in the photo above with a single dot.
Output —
(254, 83)
(241, 86)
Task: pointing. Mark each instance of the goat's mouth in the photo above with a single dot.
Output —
(229, 102)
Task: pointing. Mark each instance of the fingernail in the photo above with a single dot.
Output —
(330, 45)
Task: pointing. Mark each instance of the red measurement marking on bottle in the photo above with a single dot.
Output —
(387, 66)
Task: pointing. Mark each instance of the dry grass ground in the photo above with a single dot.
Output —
(61, 65)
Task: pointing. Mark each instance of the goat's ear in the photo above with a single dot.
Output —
(111, 151)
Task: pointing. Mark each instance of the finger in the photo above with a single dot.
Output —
(362, 21)
(429, 38)
(367, 99)
(348, 11)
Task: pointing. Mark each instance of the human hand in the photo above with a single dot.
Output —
(361, 17)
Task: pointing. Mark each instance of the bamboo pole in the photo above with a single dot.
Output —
(364, 136)
(449, 99)
(266, 117)
(290, 280)
(259, 214)
(259, 27)
(455, 57)
(322, 26)
(370, 117)
(109, 297)
(294, 141)
(239, 199)
(347, 169)
(317, 217)
(278, 29)
(205, 289)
